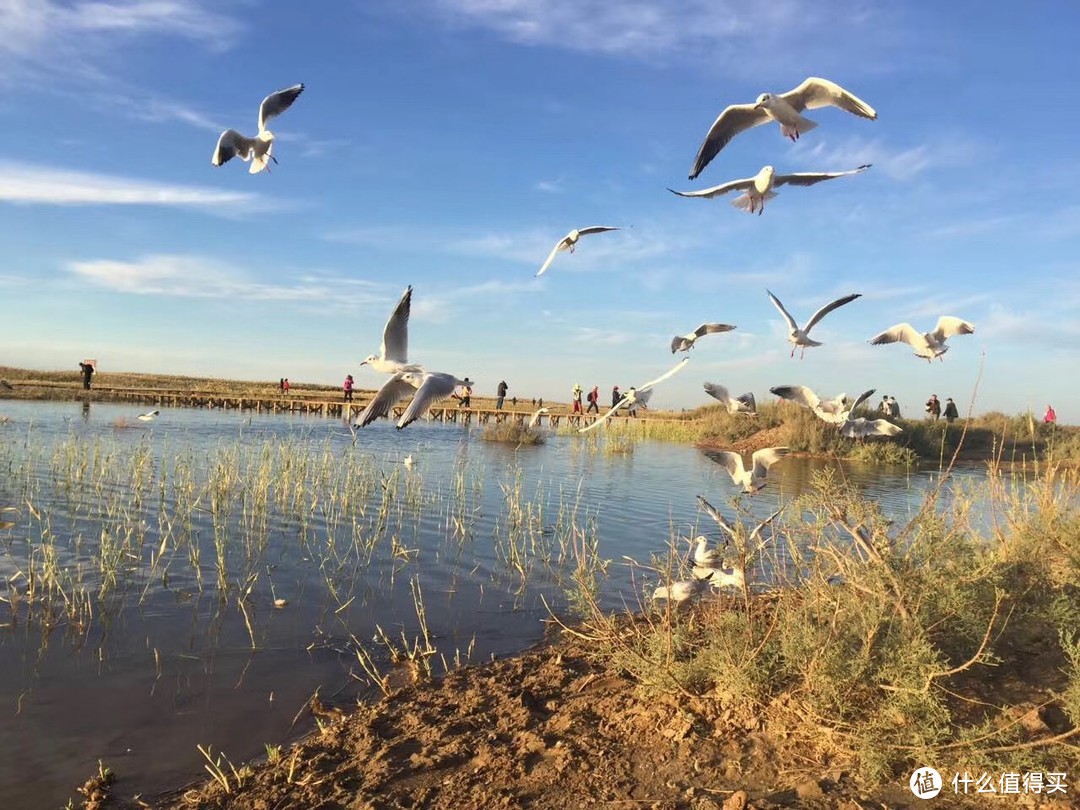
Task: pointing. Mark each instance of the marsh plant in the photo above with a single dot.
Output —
(882, 646)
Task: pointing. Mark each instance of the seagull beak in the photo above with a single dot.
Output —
(363, 362)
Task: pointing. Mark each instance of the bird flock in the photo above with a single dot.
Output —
(423, 387)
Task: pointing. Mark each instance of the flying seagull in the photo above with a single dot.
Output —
(639, 394)
(759, 188)
(744, 403)
(149, 416)
(684, 343)
(926, 344)
(860, 428)
(753, 479)
(835, 411)
(425, 387)
(257, 150)
(784, 108)
(801, 337)
(536, 416)
(569, 241)
(394, 352)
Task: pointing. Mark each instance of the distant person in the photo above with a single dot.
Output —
(951, 414)
(933, 407)
(466, 394)
(884, 407)
(540, 402)
(501, 391)
(346, 388)
(513, 401)
(577, 398)
(281, 385)
(87, 370)
(632, 395)
(594, 395)
(1051, 415)
(285, 387)
(615, 396)
(894, 408)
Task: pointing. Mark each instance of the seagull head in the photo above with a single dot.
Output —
(368, 359)
(764, 100)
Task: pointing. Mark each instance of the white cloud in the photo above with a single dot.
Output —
(899, 163)
(69, 40)
(24, 183)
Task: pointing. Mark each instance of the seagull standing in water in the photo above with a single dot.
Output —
(927, 345)
(759, 188)
(753, 479)
(393, 354)
(684, 343)
(569, 242)
(784, 108)
(801, 337)
(257, 150)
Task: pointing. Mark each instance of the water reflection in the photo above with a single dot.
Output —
(169, 542)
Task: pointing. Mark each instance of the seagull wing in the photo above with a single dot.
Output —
(433, 388)
(392, 392)
(536, 416)
(714, 513)
(748, 400)
(757, 529)
(717, 391)
(395, 341)
(712, 329)
(799, 394)
(814, 93)
(231, 144)
(597, 229)
(562, 243)
(901, 333)
(680, 342)
(733, 120)
(765, 458)
(825, 310)
(880, 427)
(716, 191)
(787, 315)
(678, 367)
(605, 417)
(947, 326)
(865, 395)
(732, 462)
(277, 103)
(809, 178)
(641, 395)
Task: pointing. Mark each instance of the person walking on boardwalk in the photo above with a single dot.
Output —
(1051, 415)
(933, 407)
(576, 393)
(615, 396)
(951, 414)
(87, 373)
(346, 388)
(501, 391)
(594, 395)
(466, 394)
(285, 387)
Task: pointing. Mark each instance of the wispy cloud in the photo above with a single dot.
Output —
(555, 186)
(903, 163)
(28, 184)
(71, 40)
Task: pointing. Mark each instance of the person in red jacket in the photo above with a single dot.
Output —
(1051, 415)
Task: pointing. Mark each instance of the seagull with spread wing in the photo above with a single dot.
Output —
(835, 411)
(753, 479)
(636, 395)
(425, 387)
(927, 345)
(393, 354)
(569, 242)
(149, 416)
(684, 343)
(759, 188)
(744, 403)
(256, 150)
(801, 337)
(784, 108)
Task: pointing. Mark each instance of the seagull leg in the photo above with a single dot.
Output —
(793, 350)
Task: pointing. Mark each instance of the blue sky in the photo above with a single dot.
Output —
(448, 144)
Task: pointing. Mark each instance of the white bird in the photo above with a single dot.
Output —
(637, 395)
(680, 591)
(722, 522)
(408, 460)
(723, 575)
(834, 411)
(257, 150)
(569, 242)
(753, 479)
(684, 343)
(536, 416)
(744, 403)
(784, 108)
(705, 557)
(393, 353)
(926, 344)
(860, 428)
(426, 388)
(759, 188)
(149, 416)
(801, 337)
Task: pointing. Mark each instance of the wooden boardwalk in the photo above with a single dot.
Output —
(337, 409)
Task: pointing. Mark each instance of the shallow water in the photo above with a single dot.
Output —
(165, 663)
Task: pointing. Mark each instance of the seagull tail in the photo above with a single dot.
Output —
(802, 126)
(745, 202)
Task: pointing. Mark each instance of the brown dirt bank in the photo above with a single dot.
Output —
(551, 728)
